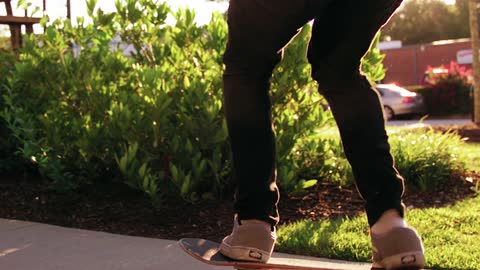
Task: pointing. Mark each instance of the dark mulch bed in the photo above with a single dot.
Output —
(471, 132)
(118, 210)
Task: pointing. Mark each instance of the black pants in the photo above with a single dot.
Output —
(342, 33)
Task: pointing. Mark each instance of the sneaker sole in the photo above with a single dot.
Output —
(244, 253)
(405, 261)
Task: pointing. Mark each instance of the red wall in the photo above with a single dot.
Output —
(407, 65)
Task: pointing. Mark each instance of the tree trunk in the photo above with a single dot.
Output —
(472, 6)
(69, 10)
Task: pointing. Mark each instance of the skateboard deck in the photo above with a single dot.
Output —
(208, 252)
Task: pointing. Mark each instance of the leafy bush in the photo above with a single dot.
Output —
(298, 112)
(427, 158)
(448, 90)
(424, 157)
(86, 113)
(305, 155)
(8, 160)
(152, 119)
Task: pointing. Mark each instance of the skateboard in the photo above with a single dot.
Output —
(208, 252)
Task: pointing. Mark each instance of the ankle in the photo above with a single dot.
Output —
(389, 220)
(253, 221)
(257, 222)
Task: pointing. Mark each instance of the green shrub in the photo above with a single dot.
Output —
(9, 162)
(424, 157)
(305, 155)
(427, 158)
(321, 156)
(154, 119)
(297, 112)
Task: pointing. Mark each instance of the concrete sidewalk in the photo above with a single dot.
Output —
(29, 246)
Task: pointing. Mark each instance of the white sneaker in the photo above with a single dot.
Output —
(250, 240)
(399, 249)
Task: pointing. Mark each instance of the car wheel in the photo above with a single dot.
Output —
(388, 113)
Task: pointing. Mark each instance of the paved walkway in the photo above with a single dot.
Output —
(428, 122)
(35, 246)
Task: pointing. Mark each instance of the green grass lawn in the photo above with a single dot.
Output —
(472, 150)
(451, 236)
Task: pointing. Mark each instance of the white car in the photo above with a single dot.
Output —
(398, 101)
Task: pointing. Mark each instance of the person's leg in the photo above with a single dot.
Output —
(258, 30)
(335, 56)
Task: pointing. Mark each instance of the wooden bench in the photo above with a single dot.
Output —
(15, 23)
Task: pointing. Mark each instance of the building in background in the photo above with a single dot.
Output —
(406, 66)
